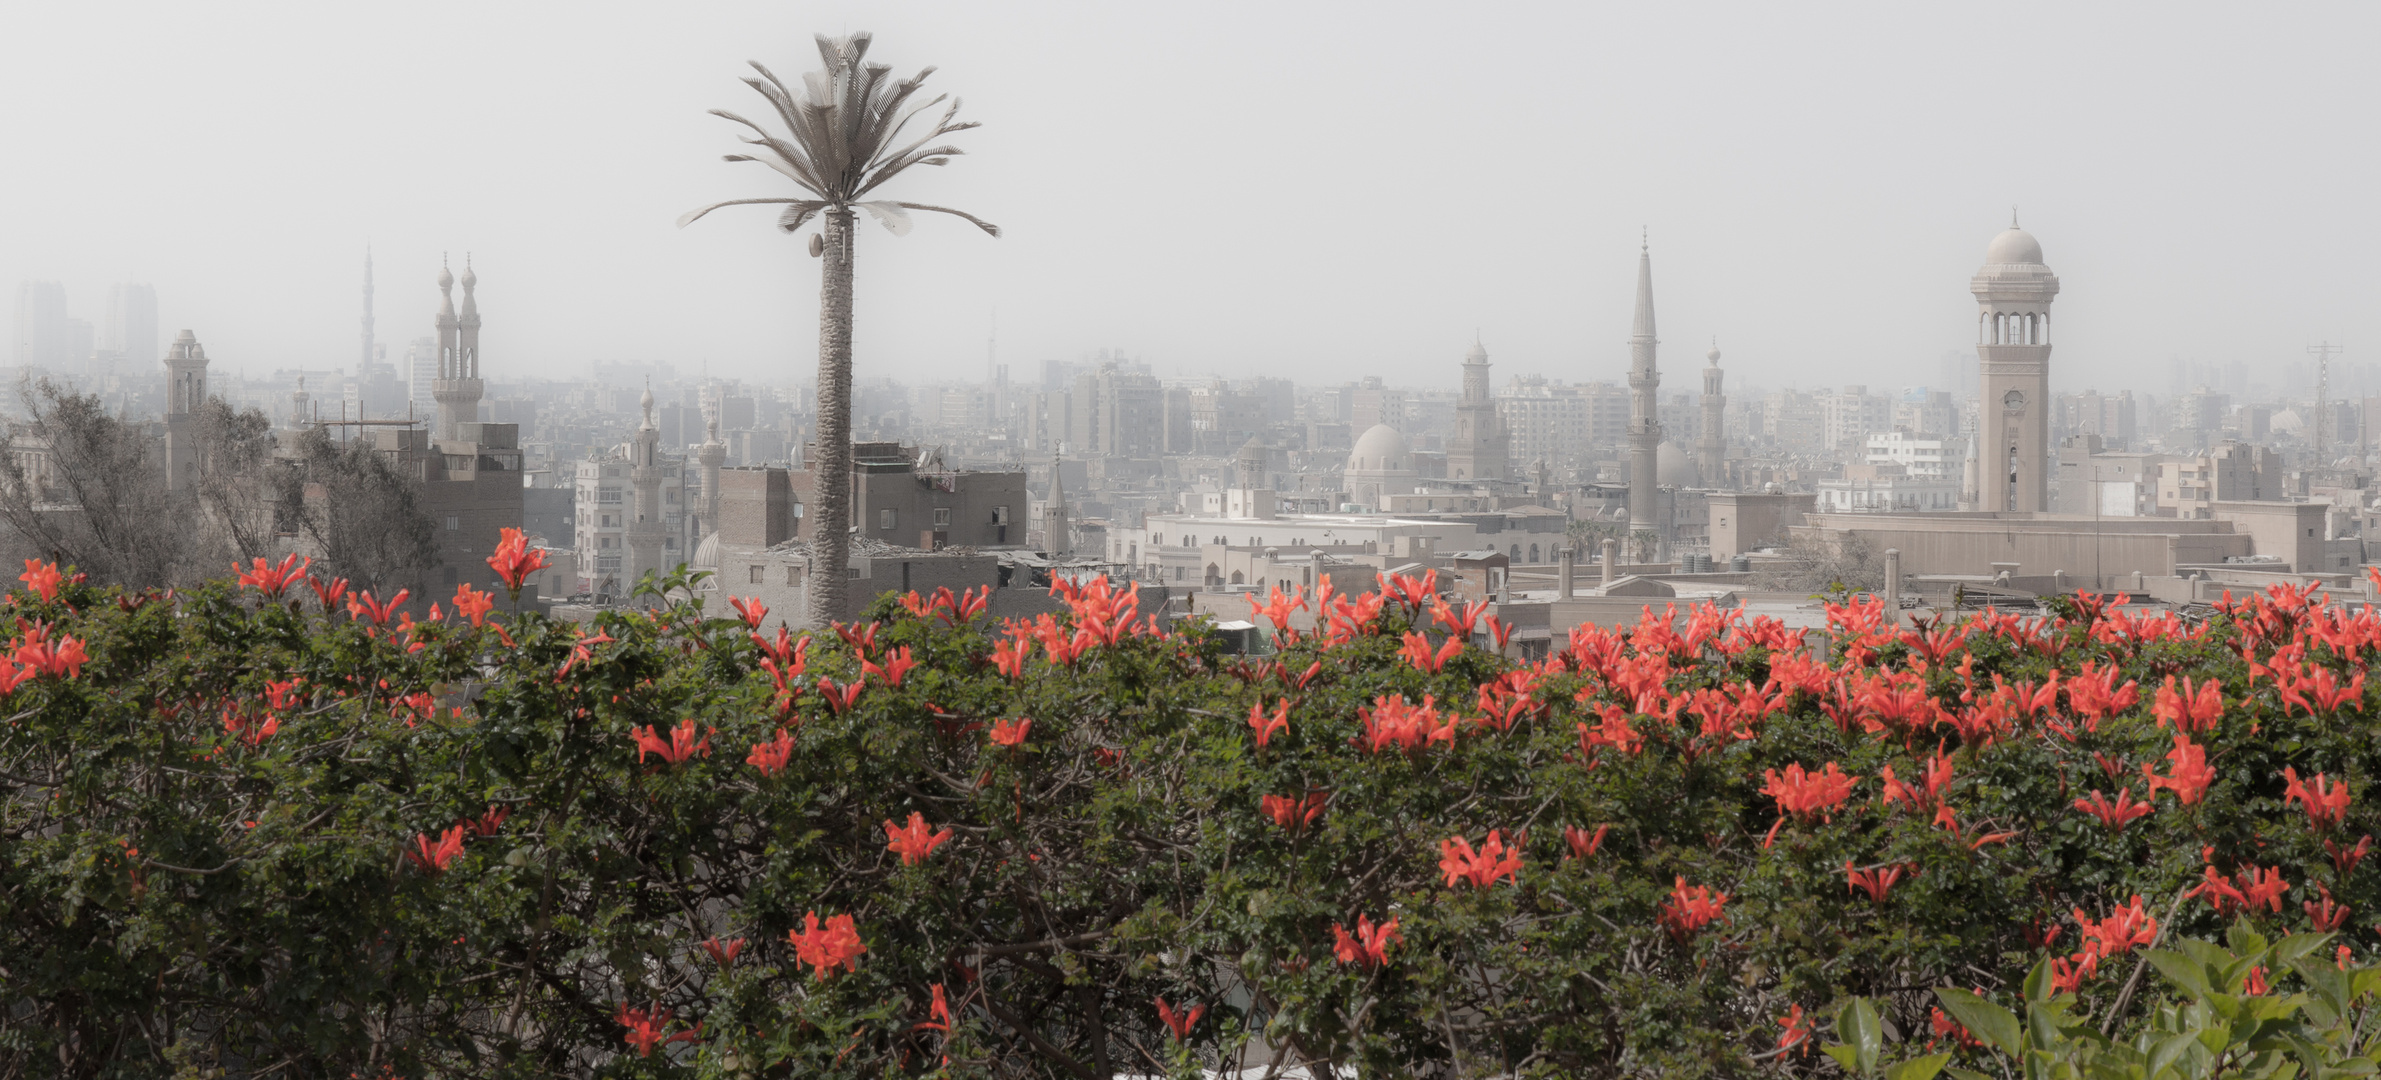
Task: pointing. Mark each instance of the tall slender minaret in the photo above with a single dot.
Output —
(644, 477)
(1645, 418)
(1711, 444)
(711, 455)
(368, 342)
(2013, 293)
(185, 390)
(1481, 444)
(1058, 539)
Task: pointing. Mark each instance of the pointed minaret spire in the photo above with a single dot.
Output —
(1645, 424)
(1058, 540)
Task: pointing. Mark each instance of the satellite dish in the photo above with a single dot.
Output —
(818, 246)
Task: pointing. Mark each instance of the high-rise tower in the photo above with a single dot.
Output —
(1645, 418)
(369, 355)
(458, 385)
(1480, 447)
(185, 391)
(1711, 444)
(2013, 294)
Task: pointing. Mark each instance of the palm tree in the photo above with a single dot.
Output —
(842, 141)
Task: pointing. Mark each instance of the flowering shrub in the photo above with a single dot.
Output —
(254, 827)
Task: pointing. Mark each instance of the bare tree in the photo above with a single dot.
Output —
(88, 489)
(842, 140)
(240, 487)
(363, 519)
(1845, 562)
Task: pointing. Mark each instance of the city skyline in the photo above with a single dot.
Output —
(1820, 230)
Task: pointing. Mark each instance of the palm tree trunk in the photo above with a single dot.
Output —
(831, 470)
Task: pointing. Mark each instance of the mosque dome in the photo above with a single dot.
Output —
(2286, 422)
(706, 554)
(1380, 449)
(1673, 466)
(2014, 246)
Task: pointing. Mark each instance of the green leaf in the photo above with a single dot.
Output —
(1997, 1026)
(1858, 1026)
(2037, 984)
(2182, 971)
(1844, 1055)
(2168, 1051)
(1923, 1068)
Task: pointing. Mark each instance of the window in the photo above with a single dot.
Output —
(453, 523)
(792, 574)
(942, 517)
(1000, 515)
(885, 518)
(756, 574)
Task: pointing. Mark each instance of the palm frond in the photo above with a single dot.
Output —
(696, 214)
(845, 133)
(972, 219)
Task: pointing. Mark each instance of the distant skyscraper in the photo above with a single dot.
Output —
(369, 354)
(43, 338)
(421, 370)
(130, 330)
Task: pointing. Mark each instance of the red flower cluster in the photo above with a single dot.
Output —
(837, 944)
(1459, 862)
(1368, 947)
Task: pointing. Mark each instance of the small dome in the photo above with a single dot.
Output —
(706, 554)
(2014, 246)
(1673, 466)
(2286, 422)
(1714, 354)
(1380, 449)
(446, 278)
(1478, 355)
(470, 278)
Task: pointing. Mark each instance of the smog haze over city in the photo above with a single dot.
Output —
(1326, 191)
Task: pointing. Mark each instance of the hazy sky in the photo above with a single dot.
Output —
(1317, 190)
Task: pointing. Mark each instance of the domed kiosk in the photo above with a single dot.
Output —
(1380, 465)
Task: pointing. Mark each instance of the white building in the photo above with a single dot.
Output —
(1886, 489)
(605, 500)
(1931, 457)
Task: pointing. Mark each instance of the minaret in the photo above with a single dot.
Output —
(1711, 445)
(301, 404)
(644, 476)
(712, 455)
(1480, 445)
(2013, 293)
(1972, 476)
(185, 391)
(1645, 418)
(369, 350)
(458, 385)
(1057, 533)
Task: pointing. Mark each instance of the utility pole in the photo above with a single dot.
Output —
(2322, 352)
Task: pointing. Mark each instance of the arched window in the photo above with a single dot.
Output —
(1533, 553)
(1515, 554)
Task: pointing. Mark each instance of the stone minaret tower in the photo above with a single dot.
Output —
(458, 385)
(1645, 418)
(1711, 445)
(712, 455)
(301, 405)
(644, 476)
(1057, 532)
(1480, 445)
(185, 391)
(2013, 294)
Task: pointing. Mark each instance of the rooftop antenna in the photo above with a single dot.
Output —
(2322, 352)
